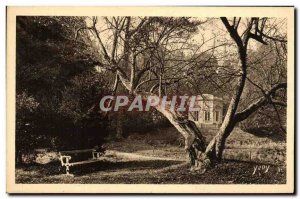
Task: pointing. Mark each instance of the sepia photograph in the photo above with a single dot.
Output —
(150, 100)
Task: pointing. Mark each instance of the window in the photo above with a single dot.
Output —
(195, 115)
(217, 115)
(207, 115)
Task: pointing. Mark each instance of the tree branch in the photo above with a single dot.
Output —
(233, 32)
(242, 115)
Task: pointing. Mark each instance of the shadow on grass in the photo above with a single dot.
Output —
(227, 172)
(55, 168)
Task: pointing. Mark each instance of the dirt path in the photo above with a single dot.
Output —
(125, 157)
(135, 156)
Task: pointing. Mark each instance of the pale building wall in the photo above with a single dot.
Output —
(211, 111)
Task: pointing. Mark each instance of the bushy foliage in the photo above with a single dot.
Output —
(50, 61)
(80, 106)
(267, 123)
(25, 109)
(144, 122)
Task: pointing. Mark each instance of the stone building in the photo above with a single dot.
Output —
(211, 111)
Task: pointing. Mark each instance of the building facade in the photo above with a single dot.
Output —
(210, 114)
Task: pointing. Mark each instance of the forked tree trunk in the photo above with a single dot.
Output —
(202, 156)
(195, 143)
(216, 146)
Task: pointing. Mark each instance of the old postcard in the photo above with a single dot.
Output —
(150, 99)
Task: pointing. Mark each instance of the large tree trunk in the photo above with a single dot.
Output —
(195, 143)
(201, 155)
(216, 146)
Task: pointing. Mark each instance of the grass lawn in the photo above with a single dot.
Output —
(155, 158)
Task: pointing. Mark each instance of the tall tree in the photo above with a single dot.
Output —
(254, 29)
(149, 53)
(48, 57)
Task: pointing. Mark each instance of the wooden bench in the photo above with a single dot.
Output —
(67, 158)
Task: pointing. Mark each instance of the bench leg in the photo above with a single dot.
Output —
(68, 173)
(67, 170)
(96, 155)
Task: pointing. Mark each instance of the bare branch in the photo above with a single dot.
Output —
(242, 115)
